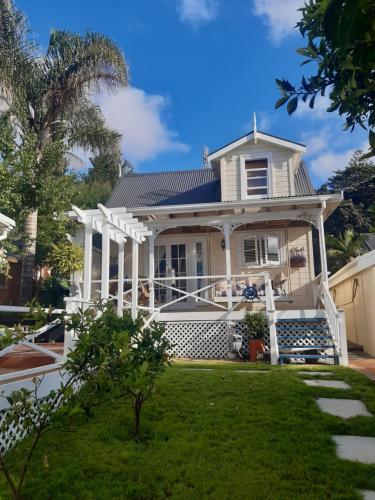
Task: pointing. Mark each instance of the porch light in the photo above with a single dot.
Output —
(223, 244)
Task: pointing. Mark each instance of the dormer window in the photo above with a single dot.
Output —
(255, 177)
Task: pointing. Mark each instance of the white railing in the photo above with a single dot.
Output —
(336, 323)
(272, 320)
(172, 291)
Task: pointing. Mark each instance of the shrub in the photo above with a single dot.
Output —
(256, 325)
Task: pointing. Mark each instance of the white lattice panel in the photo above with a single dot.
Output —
(198, 339)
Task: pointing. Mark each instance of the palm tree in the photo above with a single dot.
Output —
(49, 97)
(344, 248)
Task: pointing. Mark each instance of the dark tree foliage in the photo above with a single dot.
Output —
(357, 181)
(340, 37)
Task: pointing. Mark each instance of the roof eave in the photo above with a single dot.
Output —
(278, 141)
(332, 201)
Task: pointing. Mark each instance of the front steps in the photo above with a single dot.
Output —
(305, 340)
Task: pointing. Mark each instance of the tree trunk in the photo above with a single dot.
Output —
(28, 262)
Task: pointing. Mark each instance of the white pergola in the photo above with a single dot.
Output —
(6, 225)
(118, 228)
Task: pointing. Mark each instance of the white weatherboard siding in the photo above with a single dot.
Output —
(231, 168)
(353, 289)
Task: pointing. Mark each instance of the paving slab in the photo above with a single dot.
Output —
(368, 494)
(196, 369)
(344, 408)
(322, 374)
(332, 384)
(356, 448)
(253, 371)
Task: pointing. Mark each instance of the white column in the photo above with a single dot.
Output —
(120, 277)
(135, 249)
(322, 247)
(105, 261)
(228, 264)
(87, 265)
(151, 270)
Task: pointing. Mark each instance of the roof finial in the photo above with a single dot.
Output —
(205, 154)
(255, 131)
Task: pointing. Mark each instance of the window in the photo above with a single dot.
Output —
(255, 178)
(261, 250)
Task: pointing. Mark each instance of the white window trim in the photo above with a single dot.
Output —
(256, 156)
(260, 234)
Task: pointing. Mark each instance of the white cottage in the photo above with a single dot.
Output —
(197, 249)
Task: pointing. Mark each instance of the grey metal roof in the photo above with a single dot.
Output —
(166, 188)
(182, 187)
(302, 181)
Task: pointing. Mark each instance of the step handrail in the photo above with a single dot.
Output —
(336, 322)
(272, 320)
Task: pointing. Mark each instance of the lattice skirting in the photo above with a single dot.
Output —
(204, 339)
(198, 339)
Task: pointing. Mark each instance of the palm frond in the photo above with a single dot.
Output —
(77, 65)
(89, 131)
(17, 52)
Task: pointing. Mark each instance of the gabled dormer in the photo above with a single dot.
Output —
(258, 165)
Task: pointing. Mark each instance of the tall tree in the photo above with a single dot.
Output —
(48, 97)
(357, 181)
(341, 42)
(344, 248)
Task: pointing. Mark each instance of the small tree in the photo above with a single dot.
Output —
(135, 375)
(29, 414)
(128, 357)
(256, 325)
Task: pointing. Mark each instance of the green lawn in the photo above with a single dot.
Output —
(215, 435)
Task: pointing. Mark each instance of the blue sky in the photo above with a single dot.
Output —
(199, 69)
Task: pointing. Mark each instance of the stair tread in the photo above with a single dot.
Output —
(310, 320)
(302, 328)
(312, 356)
(311, 337)
(301, 347)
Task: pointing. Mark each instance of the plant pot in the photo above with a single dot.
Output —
(298, 261)
(256, 346)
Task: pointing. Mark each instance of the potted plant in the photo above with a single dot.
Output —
(256, 326)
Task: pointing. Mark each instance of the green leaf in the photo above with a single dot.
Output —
(371, 138)
(281, 101)
(292, 105)
(333, 106)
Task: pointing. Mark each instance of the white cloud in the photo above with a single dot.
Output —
(329, 161)
(323, 165)
(317, 141)
(318, 112)
(139, 118)
(197, 12)
(280, 16)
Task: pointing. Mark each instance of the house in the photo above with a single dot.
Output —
(219, 241)
(353, 289)
(6, 288)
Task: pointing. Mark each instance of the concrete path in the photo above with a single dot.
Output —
(356, 448)
(363, 363)
(344, 408)
(315, 373)
(332, 384)
(367, 494)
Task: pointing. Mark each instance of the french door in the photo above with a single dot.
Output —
(183, 257)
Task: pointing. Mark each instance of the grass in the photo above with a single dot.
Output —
(214, 435)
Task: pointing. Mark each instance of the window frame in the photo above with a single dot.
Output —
(258, 236)
(244, 179)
